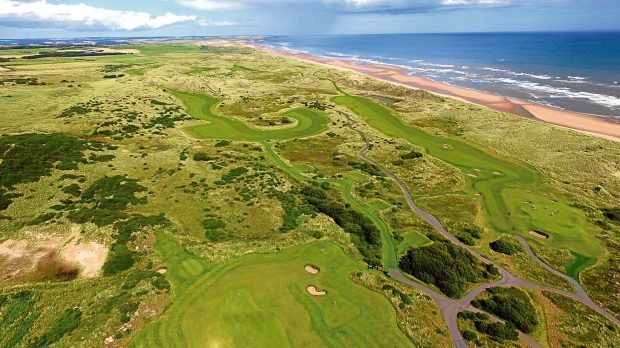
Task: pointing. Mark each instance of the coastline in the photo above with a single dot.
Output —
(584, 123)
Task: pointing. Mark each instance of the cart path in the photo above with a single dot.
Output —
(451, 307)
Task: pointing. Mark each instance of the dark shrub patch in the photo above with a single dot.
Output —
(73, 190)
(202, 156)
(28, 157)
(231, 175)
(364, 234)
(612, 214)
(119, 259)
(512, 305)
(222, 143)
(67, 322)
(367, 168)
(505, 247)
(411, 155)
(445, 265)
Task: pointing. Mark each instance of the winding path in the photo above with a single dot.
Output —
(451, 307)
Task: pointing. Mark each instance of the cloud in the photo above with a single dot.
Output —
(209, 5)
(41, 13)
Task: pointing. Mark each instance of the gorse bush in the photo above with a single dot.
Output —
(364, 234)
(512, 305)
(67, 322)
(445, 265)
(120, 257)
(25, 158)
(505, 247)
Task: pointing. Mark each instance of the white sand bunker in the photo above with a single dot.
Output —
(312, 269)
(473, 175)
(314, 292)
(497, 173)
(538, 235)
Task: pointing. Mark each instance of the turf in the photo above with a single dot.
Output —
(310, 122)
(261, 300)
(503, 183)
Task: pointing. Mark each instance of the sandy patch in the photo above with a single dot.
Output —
(162, 271)
(446, 147)
(497, 173)
(20, 257)
(538, 235)
(311, 269)
(90, 257)
(119, 50)
(473, 175)
(314, 292)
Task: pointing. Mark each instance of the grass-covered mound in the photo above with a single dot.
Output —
(449, 267)
(510, 304)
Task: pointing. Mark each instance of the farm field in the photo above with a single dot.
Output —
(176, 194)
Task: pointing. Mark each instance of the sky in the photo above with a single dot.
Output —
(141, 18)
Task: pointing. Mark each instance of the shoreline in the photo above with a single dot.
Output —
(584, 123)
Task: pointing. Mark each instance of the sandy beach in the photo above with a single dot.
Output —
(590, 124)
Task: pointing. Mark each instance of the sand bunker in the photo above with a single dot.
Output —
(538, 235)
(314, 292)
(162, 271)
(473, 175)
(497, 173)
(312, 269)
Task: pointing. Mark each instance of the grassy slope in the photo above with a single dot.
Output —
(503, 194)
(262, 300)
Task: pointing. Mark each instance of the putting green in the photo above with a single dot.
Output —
(261, 300)
(310, 122)
(503, 183)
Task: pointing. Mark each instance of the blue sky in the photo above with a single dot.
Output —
(77, 18)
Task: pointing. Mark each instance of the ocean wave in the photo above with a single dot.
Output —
(432, 64)
(564, 92)
(514, 73)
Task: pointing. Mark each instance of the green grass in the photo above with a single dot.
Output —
(503, 183)
(199, 69)
(261, 300)
(310, 122)
(578, 264)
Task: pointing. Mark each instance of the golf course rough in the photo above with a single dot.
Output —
(508, 190)
(262, 300)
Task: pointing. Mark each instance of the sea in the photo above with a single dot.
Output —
(576, 71)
